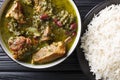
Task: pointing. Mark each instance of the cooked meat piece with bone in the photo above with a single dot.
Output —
(50, 53)
(19, 45)
(16, 12)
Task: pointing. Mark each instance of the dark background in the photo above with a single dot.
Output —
(69, 69)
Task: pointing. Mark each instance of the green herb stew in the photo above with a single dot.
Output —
(39, 31)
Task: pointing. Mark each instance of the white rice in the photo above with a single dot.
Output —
(101, 44)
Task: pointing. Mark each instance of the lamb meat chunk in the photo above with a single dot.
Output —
(50, 53)
(16, 12)
(18, 45)
(46, 34)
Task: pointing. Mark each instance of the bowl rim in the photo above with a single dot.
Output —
(51, 64)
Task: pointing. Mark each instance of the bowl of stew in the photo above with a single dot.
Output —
(39, 33)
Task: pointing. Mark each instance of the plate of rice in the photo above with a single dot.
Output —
(99, 46)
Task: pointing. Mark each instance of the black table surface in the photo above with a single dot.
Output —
(69, 69)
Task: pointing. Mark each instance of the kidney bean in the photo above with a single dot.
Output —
(59, 23)
(73, 26)
(44, 17)
(74, 34)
